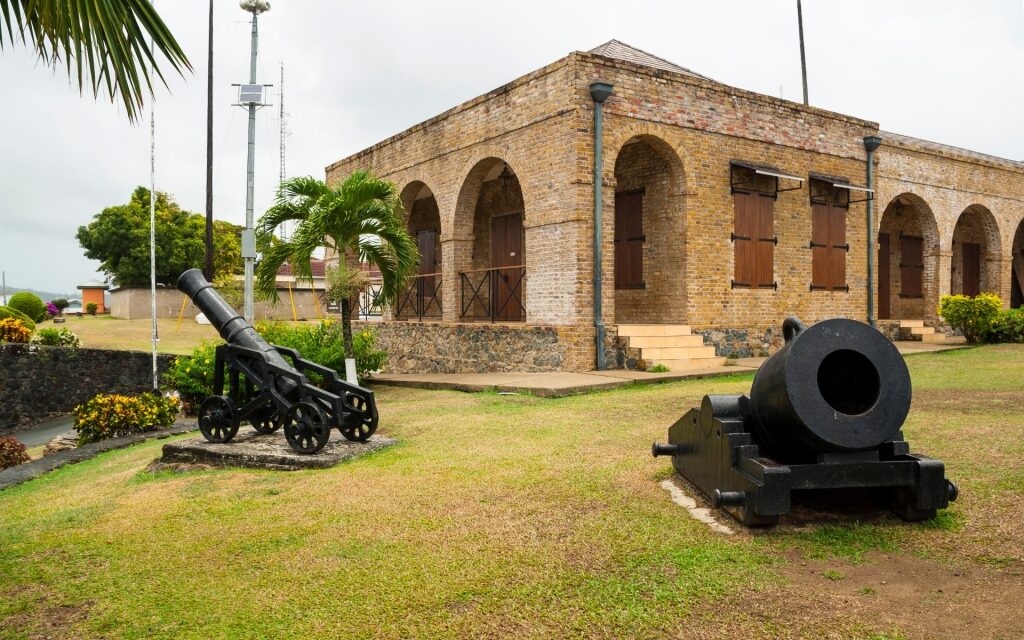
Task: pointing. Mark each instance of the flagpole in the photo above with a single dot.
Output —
(152, 229)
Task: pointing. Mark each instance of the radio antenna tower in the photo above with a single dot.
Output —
(282, 117)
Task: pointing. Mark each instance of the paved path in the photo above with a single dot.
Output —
(557, 384)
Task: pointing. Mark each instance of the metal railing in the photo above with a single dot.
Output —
(421, 299)
(494, 294)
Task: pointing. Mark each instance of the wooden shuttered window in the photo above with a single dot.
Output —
(753, 236)
(911, 267)
(829, 206)
(629, 240)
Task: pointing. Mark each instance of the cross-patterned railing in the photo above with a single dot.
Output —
(494, 294)
(421, 299)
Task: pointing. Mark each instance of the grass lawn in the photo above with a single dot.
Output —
(516, 516)
(105, 332)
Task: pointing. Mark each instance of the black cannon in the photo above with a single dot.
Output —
(268, 385)
(824, 413)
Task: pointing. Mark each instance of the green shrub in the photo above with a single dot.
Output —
(30, 304)
(972, 316)
(13, 330)
(7, 312)
(109, 416)
(52, 337)
(323, 344)
(658, 368)
(61, 303)
(1008, 326)
(192, 377)
(12, 452)
(91, 308)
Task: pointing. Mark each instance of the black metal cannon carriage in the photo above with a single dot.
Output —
(824, 416)
(268, 385)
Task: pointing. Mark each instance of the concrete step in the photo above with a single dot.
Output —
(682, 364)
(630, 330)
(658, 354)
(941, 338)
(646, 342)
(922, 331)
(907, 324)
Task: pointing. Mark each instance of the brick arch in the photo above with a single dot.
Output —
(654, 135)
(1017, 268)
(909, 214)
(977, 225)
(470, 177)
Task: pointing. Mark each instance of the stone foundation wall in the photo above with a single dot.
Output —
(742, 343)
(39, 382)
(481, 348)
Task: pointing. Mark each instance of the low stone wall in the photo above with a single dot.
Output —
(39, 382)
(428, 347)
(741, 343)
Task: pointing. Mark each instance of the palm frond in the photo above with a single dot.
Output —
(103, 43)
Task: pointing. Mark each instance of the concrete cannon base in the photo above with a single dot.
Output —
(251, 450)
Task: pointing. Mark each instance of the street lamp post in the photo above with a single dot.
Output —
(255, 7)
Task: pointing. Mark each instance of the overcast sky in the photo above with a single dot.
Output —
(357, 72)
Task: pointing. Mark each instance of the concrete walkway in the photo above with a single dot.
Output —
(558, 384)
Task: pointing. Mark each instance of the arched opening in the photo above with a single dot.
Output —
(976, 245)
(491, 259)
(1017, 285)
(422, 297)
(649, 237)
(908, 244)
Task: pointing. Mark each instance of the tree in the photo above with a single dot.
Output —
(362, 218)
(101, 42)
(119, 238)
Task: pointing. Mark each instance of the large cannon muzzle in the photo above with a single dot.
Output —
(838, 385)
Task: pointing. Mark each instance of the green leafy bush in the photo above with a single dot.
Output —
(323, 343)
(13, 330)
(91, 308)
(56, 338)
(1008, 326)
(12, 452)
(109, 416)
(972, 316)
(7, 312)
(61, 303)
(192, 377)
(658, 368)
(30, 304)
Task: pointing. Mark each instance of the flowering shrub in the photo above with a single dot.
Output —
(52, 310)
(192, 377)
(12, 452)
(972, 316)
(108, 416)
(7, 312)
(56, 338)
(13, 330)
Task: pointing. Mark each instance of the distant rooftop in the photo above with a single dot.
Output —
(622, 51)
(93, 284)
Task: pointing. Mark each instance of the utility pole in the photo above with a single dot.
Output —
(209, 153)
(252, 100)
(281, 118)
(803, 57)
(4, 275)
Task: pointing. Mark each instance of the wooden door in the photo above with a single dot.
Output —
(884, 312)
(426, 241)
(972, 268)
(507, 251)
(629, 240)
(911, 266)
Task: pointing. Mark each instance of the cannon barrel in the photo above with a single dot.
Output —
(232, 327)
(836, 386)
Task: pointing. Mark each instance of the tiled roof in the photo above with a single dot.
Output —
(622, 51)
(316, 266)
(908, 141)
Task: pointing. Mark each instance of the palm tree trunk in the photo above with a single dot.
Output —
(346, 326)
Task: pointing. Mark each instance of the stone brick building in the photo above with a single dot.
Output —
(722, 211)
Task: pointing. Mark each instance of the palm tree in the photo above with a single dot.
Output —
(362, 216)
(102, 42)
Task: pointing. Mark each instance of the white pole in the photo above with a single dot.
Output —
(250, 171)
(152, 229)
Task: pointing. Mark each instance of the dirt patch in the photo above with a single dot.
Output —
(895, 594)
(48, 622)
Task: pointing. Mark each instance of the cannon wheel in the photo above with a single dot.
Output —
(266, 419)
(218, 419)
(305, 428)
(361, 431)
